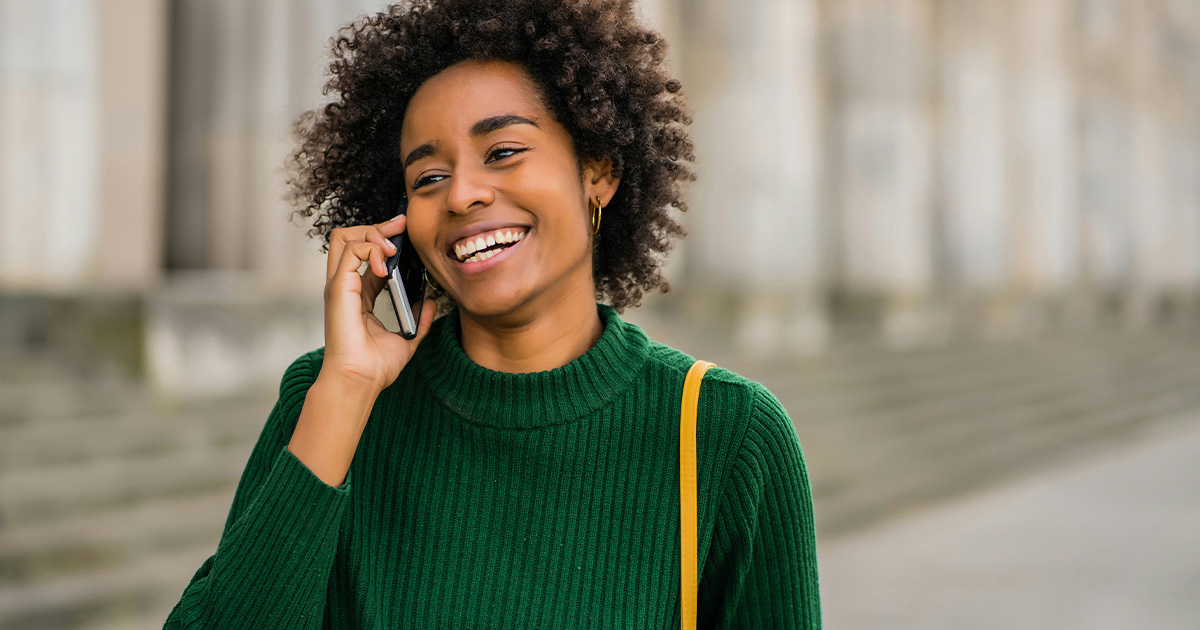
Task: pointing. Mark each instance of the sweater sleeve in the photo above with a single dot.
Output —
(761, 571)
(271, 568)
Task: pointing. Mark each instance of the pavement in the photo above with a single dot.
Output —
(1113, 542)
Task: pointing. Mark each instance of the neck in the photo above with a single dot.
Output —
(550, 338)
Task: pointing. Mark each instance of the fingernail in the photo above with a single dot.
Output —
(396, 218)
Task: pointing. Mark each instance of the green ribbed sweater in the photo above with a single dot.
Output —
(484, 499)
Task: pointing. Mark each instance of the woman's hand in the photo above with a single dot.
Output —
(358, 349)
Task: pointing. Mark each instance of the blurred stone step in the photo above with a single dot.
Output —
(212, 333)
(77, 440)
(888, 445)
(905, 493)
(873, 365)
(45, 494)
(991, 379)
(846, 445)
(42, 553)
(908, 482)
(970, 409)
(18, 364)
(903, 377)
(1083, 410)
(115, 597)
(846, 425)
(27, 401)
(1149, 410)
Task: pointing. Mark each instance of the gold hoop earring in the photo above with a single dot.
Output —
(597, 211)
(429, 281)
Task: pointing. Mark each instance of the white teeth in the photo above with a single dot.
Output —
(466, 248)
(482, 256)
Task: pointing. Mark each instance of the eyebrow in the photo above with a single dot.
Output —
(479, 129)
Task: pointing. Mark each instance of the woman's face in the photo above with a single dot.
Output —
(497, 209)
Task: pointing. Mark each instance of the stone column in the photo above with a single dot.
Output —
(188, 232)
(81, 116)
(227, 141)
(280, 253)
(251, 300)
(293, 59)
(1106, 145)
(132, 82)
(1163, 97)
(751, 76)
(882, 145)
(1150, 96)
(49, 123)
(1180, 22)
(1045, 189)
(975, 174)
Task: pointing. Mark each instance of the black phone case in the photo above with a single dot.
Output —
(406, 284)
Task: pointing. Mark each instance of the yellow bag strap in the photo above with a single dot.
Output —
(689, 584)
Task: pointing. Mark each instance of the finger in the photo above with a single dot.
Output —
(389, 248)
(428, 312)
(337, 245)
(378, 234)
(383, 232)
(354, 253)
(372, 286)
(376, 259)
(392, 226)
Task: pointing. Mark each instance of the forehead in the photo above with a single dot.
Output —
(457, 97)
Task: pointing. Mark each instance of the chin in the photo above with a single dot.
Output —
(493, 302)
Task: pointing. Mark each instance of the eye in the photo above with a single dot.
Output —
(510, 151)
(428, 179)
(493, 155)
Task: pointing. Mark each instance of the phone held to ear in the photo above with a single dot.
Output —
(406, 281)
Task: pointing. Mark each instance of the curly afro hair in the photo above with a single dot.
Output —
(602, 76)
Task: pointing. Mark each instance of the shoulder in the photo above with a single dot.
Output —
(720, 384)
(671, 359)
(740, 410)
(745, 436)
(301, 373)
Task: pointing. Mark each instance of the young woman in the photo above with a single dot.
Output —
(516, 464)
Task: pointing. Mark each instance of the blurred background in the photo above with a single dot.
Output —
(959, 239)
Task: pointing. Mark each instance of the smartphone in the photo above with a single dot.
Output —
(406, 281)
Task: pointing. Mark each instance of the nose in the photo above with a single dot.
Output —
(468, 187)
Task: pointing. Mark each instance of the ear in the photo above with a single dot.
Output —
(598, 180)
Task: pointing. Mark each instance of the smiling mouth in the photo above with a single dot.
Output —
(481, 247)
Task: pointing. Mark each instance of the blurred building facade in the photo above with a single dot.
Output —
(928, 167)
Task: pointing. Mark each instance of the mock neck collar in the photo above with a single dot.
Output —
(531, 399)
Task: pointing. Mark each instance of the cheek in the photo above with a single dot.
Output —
(421, 230)
(553, 199)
